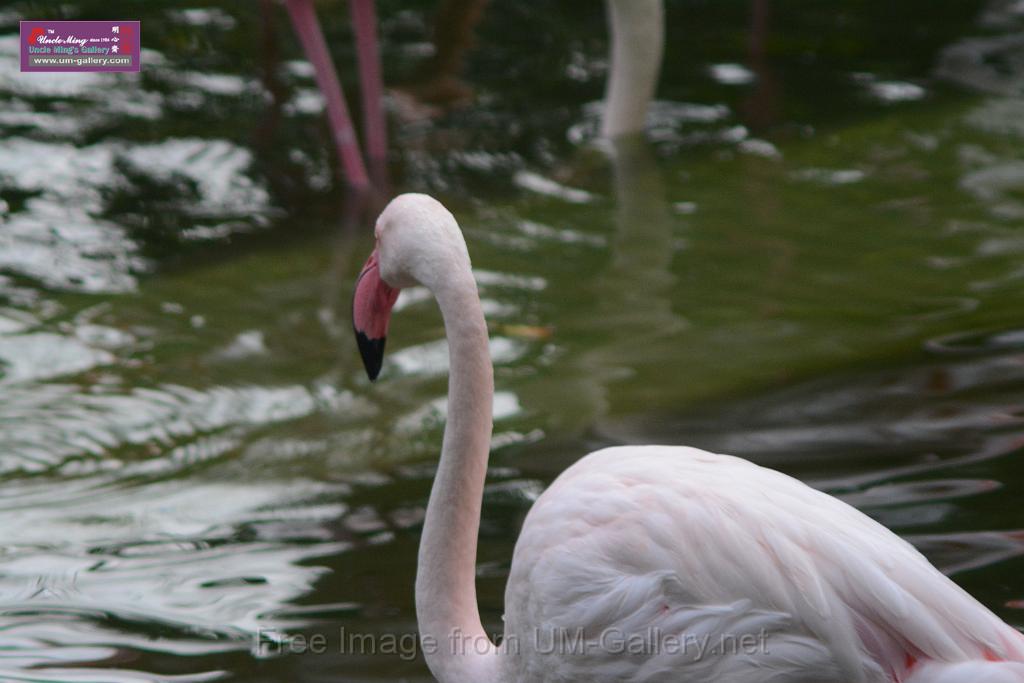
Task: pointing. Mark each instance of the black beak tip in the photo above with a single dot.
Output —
(372, 352)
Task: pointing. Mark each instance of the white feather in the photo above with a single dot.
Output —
(711, 548)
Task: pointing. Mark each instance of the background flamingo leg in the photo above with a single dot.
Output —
(303, 16)
(364, 22)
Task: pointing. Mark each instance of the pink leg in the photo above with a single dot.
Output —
(307, 27)
(364, 21)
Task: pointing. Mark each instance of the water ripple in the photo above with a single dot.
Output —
(46, 426)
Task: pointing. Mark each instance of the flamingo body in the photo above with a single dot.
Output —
(657, 564)
(716, 569)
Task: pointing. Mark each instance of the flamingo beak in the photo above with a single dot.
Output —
(371, 312)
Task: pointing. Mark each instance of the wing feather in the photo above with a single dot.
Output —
(710, 547)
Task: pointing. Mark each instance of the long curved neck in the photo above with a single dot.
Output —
(454, 643)
(638, 40)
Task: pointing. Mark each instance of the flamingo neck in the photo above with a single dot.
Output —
(638, 40)
(455, 645)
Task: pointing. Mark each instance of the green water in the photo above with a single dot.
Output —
(813, 261)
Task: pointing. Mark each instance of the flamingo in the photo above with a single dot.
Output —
(656, 563)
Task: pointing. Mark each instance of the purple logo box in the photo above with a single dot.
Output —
(80, 45)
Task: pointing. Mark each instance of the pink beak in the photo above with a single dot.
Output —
(371, 313)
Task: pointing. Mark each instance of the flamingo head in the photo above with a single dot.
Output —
(418, 242)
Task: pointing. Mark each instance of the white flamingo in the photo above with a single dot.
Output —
(657, 563)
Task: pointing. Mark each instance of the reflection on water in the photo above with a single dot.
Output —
(813, 261)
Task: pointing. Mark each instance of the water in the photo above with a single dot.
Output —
(815, 262)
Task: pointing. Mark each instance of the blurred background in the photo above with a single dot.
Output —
(814, 261)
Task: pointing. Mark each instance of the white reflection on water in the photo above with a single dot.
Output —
(43, 355)
(732, 74)
(217, 167)
(678, 123)
(49, 424)
(59, 236)
(431, 358)
(152, 521)
(168, 551)
(153, 538)
(200, 565)
(534, 182)
(59, 230)
(207, 18)
(897, 91)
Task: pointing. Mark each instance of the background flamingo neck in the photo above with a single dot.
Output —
(446, 607)
(638, 40)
